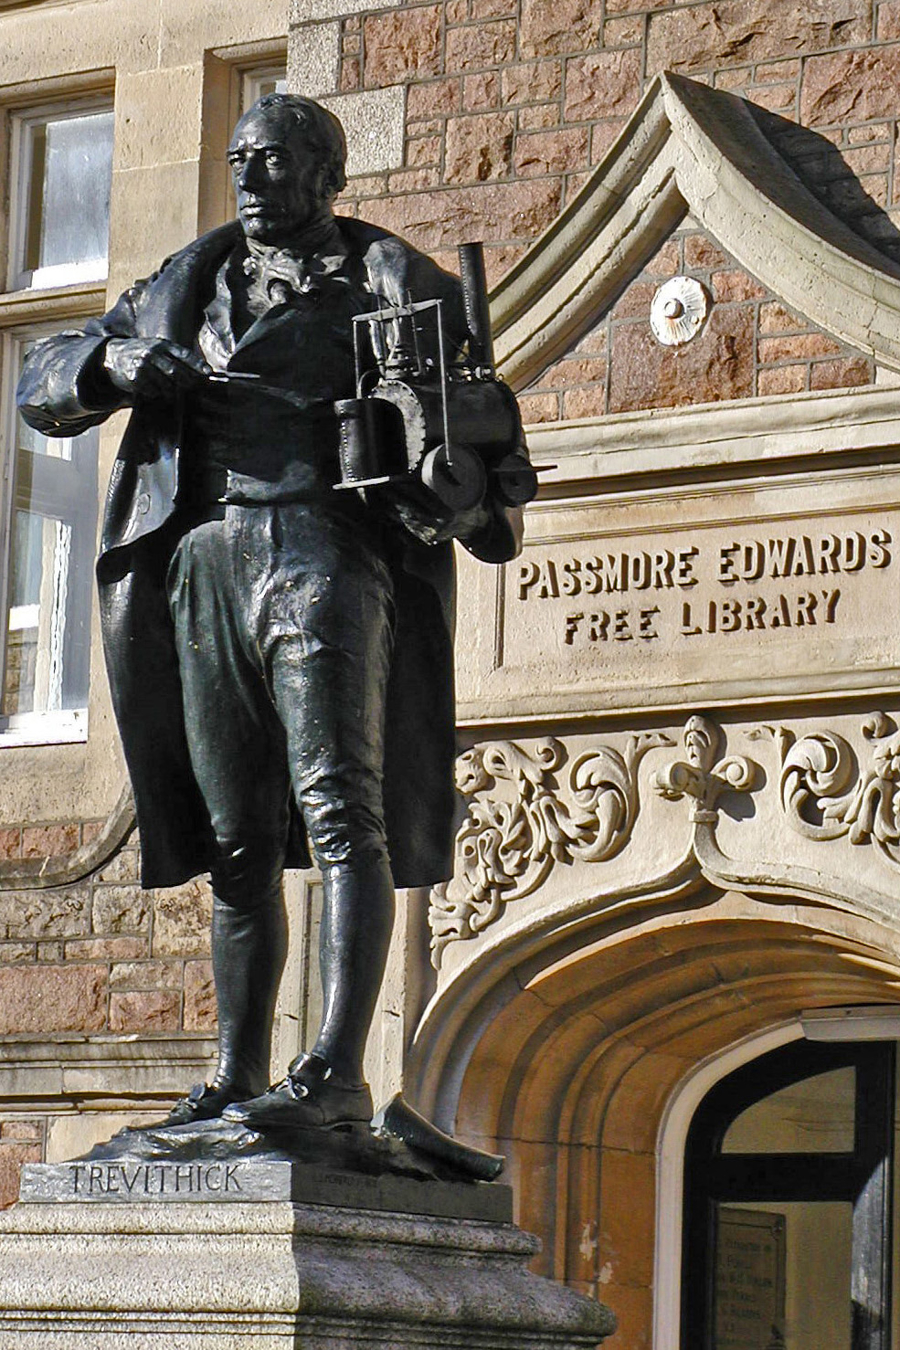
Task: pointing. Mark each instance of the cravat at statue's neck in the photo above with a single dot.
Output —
(315, 237)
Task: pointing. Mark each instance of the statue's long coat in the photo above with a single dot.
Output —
(142, 524)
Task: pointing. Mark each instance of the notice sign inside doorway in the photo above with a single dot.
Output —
(749, 1280)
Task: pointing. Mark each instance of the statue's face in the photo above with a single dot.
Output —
(278, 179)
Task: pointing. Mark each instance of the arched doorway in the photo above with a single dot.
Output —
(585, 1061)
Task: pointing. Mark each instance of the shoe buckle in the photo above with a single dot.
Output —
(315, 1066)
(292, 1086)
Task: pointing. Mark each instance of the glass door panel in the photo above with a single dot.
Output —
(815, 1115)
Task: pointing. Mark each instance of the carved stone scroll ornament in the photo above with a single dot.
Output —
(525, 816)
(826, 794)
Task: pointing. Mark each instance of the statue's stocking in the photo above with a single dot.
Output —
(357, 920)
(249, 947)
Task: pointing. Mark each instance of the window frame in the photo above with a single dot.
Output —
(21, 120)
(254, 77)
(27, 310)
(51, 725)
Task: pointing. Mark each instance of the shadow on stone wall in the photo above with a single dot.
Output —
(853, 181)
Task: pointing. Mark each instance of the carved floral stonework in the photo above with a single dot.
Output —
(826, 793)
(529, 809)
(704, 777)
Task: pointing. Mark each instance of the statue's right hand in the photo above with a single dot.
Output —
(154, 369)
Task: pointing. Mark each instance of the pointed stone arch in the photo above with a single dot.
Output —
(688, 148)
(580, 1051)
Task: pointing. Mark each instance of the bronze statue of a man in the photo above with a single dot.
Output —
(279, 653)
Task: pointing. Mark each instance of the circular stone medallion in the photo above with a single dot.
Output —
(677, 311)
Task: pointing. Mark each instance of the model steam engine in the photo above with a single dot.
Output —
(436, 439)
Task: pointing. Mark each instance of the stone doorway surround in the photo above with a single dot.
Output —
(581, 1060)
(681, 719)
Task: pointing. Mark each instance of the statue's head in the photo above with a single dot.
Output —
(287, 159)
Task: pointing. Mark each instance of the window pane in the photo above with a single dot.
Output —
(41, 552)
(50, 574)
(257, 83)
(815, 1115)
(67, 226)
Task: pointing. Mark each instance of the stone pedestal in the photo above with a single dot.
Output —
(201, 1265)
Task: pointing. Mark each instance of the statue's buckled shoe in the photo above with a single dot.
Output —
(205, 1102)
(308, 1098)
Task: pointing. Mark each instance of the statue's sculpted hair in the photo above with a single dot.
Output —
(321, 129)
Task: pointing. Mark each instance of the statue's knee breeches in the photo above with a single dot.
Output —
(332, 705)
(284, 626)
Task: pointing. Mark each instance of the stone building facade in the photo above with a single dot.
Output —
(676, 893)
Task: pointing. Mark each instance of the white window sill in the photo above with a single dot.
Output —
(47, 728)
(23, 617)
(63, 274)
